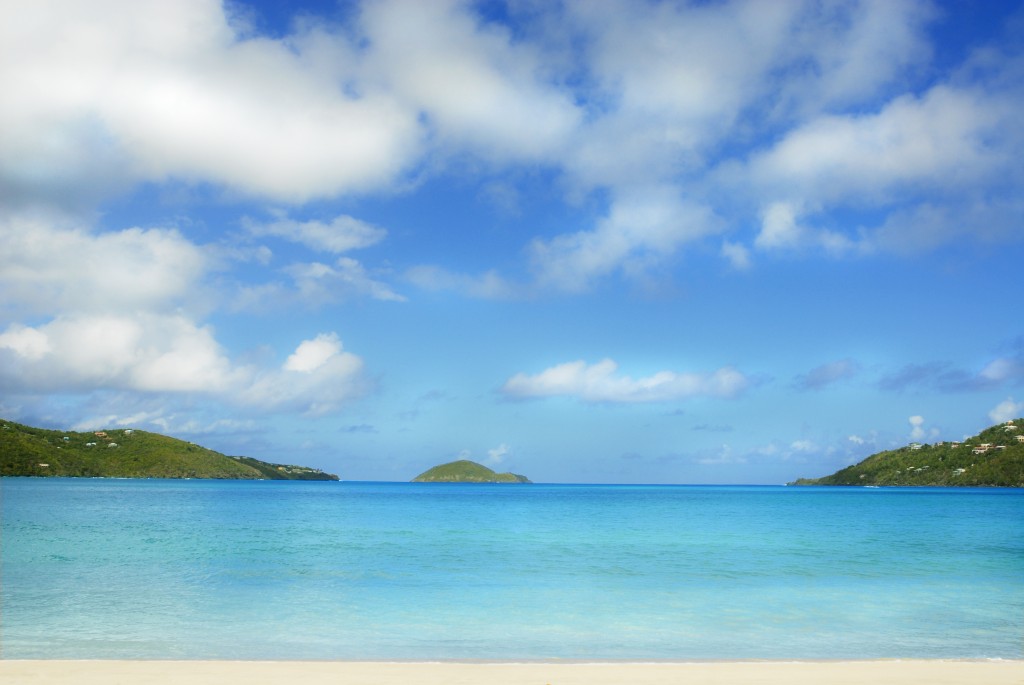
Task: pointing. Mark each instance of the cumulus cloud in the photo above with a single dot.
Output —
(317, 378)
(638, 103)
(312, 354)
(55, 263)
(600, 383)
(929, 161)
(143, 352)
(174, 91)
(171, 355)
(1006, 410)
(121, 312)
(860, 47)
(642, 110)
(478, 88)
(942, 138)
(917, 427)
(642, 227)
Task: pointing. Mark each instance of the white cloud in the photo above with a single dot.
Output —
(856, 49)
(1002, 369)
(310, 355)
(642, 227)
(53, 263)
(489, 285)
(169, 90)
(478, 89)
(600, 383)
(725, 455)
(497, 455)
(316, 379)
(28, 343)
(141, 352)
(737, 254)
(686, 72)
(917, 427)
(340, 234)
(635, 102)
(942, 138)
(119, 313)
(317, 283)
(779, 227)
(1006, 410)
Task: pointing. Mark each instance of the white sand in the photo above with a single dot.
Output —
(917, 672)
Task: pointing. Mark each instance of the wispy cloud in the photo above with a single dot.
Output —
(827, 374)
(489, 285)
(341, 234)
(945, 377)
(497, 455)
(600, 382)
(318, 283)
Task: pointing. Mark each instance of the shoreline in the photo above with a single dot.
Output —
(753, 672)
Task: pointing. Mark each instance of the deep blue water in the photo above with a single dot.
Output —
(389, 571)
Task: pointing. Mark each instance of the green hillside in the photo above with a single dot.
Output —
(994, 457)
(128, 453)
(465, 471)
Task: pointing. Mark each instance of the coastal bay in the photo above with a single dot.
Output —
(326, 571)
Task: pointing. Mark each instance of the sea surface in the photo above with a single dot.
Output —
(161, 569)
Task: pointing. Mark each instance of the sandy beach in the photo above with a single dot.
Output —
(913, 672)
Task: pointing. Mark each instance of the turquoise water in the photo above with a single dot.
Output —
(388, 571)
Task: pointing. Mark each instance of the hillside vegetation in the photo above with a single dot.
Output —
(465, 471)
(128, 453)
(993, 457)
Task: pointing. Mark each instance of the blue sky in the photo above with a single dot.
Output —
(708, 242)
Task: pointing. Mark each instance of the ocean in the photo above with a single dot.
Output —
(162, 569)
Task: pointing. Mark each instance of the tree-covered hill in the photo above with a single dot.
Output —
(993, 457)
(465, 471)
(128, 453)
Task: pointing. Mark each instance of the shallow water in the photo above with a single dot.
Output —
(392, 571)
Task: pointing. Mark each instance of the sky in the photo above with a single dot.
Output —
(589, 241)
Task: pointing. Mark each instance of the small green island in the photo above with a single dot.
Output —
(992, 458)
(465, 471)
(128, 453)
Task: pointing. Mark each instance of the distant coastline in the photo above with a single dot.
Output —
(128, 453)
(992, 458)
